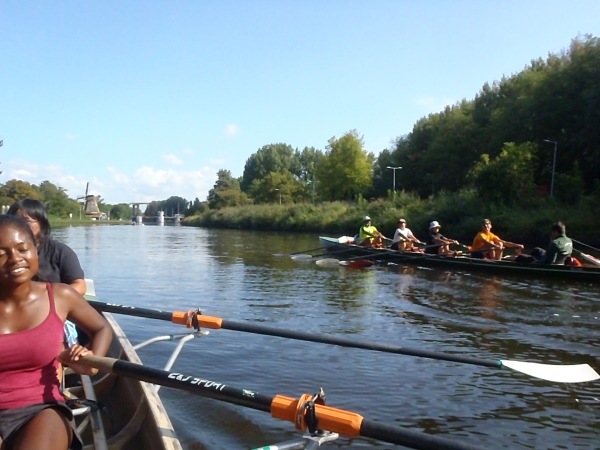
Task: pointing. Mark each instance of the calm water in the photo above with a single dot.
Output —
(236, 275)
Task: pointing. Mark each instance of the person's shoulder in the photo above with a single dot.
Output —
(59, 247)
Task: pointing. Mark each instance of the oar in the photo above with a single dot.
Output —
(586, 245)
(559, 373)
(327, 252)
(588, 259)
(331, 419)
(297, 253)
(397, 255)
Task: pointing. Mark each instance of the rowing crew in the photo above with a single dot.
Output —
(486, 244)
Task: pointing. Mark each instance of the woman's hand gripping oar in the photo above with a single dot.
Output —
(577, 373)
(297, 411)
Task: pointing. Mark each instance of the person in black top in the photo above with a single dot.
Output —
(442, 242)
(58, 263)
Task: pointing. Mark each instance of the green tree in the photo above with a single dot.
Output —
(16, 190)
(57, 201)
(269, 158)
(226, 192)
(122, 211)
(277, 186)
(346, 170)
(508, 177)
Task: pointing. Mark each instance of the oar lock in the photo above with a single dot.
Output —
(306, 416)
(192, 321)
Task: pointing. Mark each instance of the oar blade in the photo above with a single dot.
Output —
(301, 257)
(328, 262)
(357, 263)
(575, 373)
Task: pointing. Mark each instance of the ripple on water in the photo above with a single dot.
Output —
(234, 275)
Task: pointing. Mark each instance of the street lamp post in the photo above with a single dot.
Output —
(279, 195)
(394, 169)
(553, 165)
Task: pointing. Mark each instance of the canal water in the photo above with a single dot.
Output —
(242, 276)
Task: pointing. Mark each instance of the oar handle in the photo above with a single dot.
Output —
(336, 420)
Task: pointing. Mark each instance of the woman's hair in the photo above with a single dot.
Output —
(18, 223)
(37, 211)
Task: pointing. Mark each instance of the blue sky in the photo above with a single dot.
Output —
(148, 99)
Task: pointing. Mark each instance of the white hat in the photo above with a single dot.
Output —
(434, 224)
(366, 218)
(402, 220)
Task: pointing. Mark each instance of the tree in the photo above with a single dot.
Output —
(277, 186)
(121, 211)
(504, 179)
(346, 170)
(226, 192)
(17, 190)
(269, 158)
(57, 201)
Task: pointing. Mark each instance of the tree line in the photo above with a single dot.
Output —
(58, 204)
(520, 138)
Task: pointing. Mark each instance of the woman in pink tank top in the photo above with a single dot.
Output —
(32, 412)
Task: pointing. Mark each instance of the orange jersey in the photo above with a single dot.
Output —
(479, 241)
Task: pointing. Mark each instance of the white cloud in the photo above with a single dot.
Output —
(187, 151)
(143, 185)
(172, 159)
(70, 137)
(232, 130)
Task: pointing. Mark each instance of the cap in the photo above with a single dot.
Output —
(434, 224)
(402, 220)
(366, 218)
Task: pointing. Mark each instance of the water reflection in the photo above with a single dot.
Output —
(236, 275)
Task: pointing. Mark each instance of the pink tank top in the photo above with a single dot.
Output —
(28, 368)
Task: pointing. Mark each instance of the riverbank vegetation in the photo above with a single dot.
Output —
(524, 152)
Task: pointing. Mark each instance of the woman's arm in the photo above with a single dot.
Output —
(72, 306)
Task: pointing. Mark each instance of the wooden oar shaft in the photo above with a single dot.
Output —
(214, 323)
(336, 420)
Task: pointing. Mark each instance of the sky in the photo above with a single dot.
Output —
(149, 99)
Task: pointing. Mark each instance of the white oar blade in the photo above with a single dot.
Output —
(298, 257)
(576, 373)
(329, 262)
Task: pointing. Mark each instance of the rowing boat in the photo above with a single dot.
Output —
(339, 246)
(121, 412)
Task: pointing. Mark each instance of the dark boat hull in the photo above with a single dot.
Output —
(346, 251)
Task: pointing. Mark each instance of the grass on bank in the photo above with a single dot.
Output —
(460, 215)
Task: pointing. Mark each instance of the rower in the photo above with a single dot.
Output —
(404, 237)
(369, 236)
(487, 245)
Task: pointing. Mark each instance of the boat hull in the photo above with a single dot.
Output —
(346, 251)
(132, 413)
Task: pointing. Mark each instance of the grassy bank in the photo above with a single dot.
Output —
(459, 214)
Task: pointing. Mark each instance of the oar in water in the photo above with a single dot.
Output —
(297, 253)
(346, 423)
(577, 373)
(326, 252)
(390, 255)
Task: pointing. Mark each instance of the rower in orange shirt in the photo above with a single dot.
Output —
(487, 245)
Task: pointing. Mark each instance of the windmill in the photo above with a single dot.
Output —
(90, 204)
